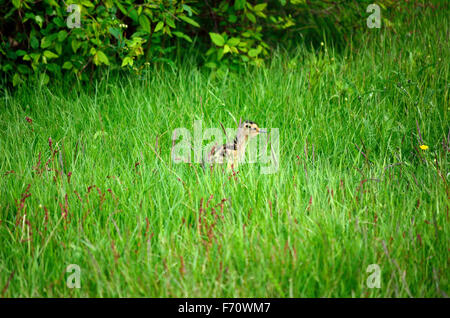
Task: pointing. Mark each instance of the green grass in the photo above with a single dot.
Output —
(369, 195)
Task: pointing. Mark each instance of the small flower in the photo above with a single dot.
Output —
(423, 147)
(321, 44)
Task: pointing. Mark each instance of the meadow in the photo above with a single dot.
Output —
(86, 178)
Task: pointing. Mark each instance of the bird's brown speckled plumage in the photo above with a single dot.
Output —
(234, 152)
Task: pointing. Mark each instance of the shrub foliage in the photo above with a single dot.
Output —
(76, 39)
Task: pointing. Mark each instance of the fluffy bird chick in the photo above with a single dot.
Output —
(234, 152)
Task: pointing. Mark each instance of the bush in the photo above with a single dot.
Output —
(47, 39)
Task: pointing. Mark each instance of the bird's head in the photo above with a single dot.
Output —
(250, 129)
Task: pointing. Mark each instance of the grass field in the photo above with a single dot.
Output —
(354, 187)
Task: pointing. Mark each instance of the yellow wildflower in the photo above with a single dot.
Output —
(423, 147)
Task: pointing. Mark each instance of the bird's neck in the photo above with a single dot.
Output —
(240, 142)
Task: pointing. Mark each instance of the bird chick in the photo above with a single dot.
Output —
(234, 152)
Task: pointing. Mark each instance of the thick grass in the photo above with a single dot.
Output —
(353, 189)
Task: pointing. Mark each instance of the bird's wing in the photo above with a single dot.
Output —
(223, 153)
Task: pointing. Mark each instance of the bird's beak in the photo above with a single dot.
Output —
(262, 131)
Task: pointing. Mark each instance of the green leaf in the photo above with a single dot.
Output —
(59, 22)
(232, 18)
(166, 30)
(7, 67)
(226, 49)
(132, 13)
(67, 65)
(121, 8)
(54, 68)
(87, 3)
(233, 41)
(62, 35)
(243, 44)
(50, 55)
(220, 55)
(253, 52)
(189, 20)
(159, 26)
(251, 17)
(11, 54)
(182, 35)
(170, 23)
(187, 9)
(16, 79)
(34, 42)
(239, 4)
(58, 48)
(259, 49)
(145, 23)
(211, 65)
(39, 20)
(24, 69)
(115, 32)
(35, 57)
(20, 52)
(260, 7)
(45, 78)
(75, 45)
(100, 58)
(46, 42)
(53, 3)
(127, 61)
(217, 39)
(16, 3)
